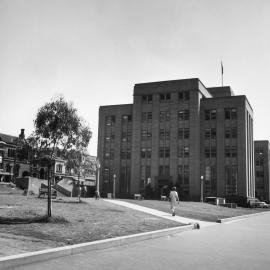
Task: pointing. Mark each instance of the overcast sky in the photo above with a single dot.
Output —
(94, 51)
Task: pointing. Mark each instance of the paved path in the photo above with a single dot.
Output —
(161, 214)
(242, 244)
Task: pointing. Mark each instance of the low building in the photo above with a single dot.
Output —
(11, 164)
(19, 161)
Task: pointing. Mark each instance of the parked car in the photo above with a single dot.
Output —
(264, 205)
(253, 202)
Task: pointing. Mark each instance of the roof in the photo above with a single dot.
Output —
(8, 138)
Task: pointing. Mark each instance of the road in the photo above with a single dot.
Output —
(242, 244)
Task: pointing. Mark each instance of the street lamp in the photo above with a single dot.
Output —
(97, 180)
(201, 188)
(114, 177)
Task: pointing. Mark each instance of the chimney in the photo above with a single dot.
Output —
(22, 136)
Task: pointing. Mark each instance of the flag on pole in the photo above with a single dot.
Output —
(221, 74)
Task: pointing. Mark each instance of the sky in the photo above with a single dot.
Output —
(94, 51)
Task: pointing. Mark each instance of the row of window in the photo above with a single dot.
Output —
(148, 99)
(110, 120)
(183, 170)
(183, 152)
(183, 133)
(229, 113)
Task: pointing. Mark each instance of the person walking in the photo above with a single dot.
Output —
(173, 199)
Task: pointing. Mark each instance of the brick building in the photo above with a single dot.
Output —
(262, 166)
(178, 133)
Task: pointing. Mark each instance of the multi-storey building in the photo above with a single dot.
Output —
(262, 166)
(178, 133)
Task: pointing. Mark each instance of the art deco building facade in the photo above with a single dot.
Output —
(178, 132)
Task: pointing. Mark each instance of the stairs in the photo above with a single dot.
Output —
(62, 190)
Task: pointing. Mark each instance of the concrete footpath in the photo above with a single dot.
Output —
(242, 244)
(161, 214)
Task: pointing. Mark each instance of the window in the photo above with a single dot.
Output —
(227, 133)
(260, 174)
(207, 152)
(59, 168)
(164, 170)
(231, 179)
(210, 133)
(126, 119)
(125, 154)
(183, 174)
(180, 152)
(183, 152)
(164, 134)
(259, 162)
(230, 151)
(164, 97)
(146, 152)
(110, 120)
(207, 134)
(11, 152)
(213, 133)
(164, 116)
(146, 135)
(147, 99)
(186, 133)
(109, 137)
(233, 151)
(183, 96)
(147, 117)
(109, 154)
(259, 151)
(231, 132)
(234, 132)
(230, 113)
(186, 95)
(164, 152)
(183, 115)
(186, 174)
(145, 174)
(210, 114)
(227, 151)
(106, 174)
(186, 151)
(126, 136)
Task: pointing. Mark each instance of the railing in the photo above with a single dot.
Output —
(62, 190)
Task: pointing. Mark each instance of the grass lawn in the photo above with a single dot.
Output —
(75, 223)
(197, 210)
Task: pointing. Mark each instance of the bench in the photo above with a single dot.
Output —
(44, 192)
(163, 198)
(138, 197)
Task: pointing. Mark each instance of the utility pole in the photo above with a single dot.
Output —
(97, 180)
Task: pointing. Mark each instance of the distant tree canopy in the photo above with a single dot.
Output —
(58, 127)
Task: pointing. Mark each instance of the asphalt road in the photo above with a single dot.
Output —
(242, 244)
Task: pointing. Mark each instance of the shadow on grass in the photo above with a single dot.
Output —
(74, 202)
(35, 219)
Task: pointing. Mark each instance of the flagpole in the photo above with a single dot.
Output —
(221, 74)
